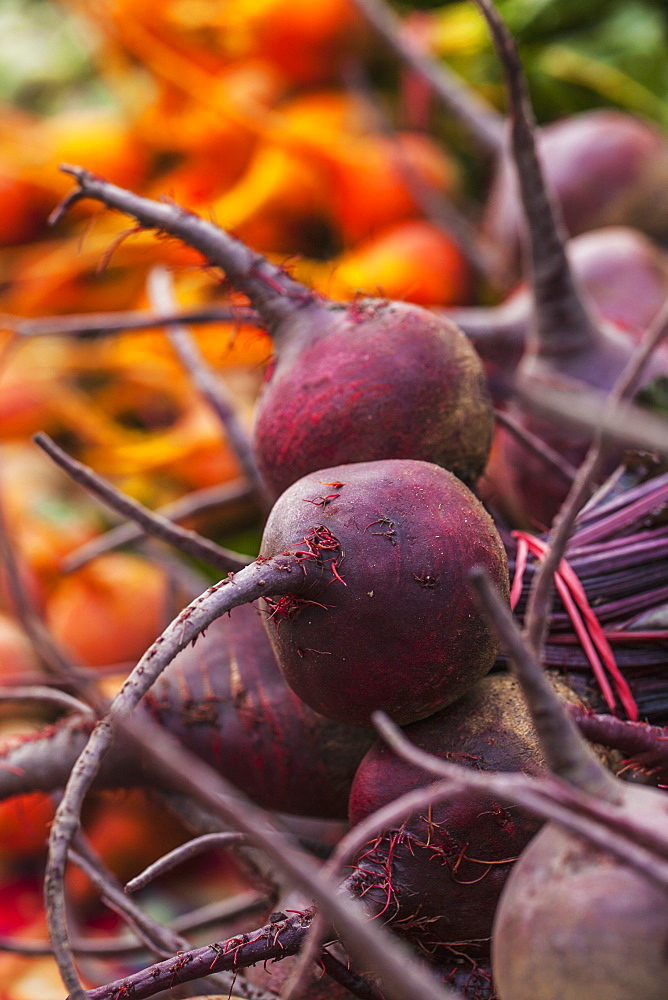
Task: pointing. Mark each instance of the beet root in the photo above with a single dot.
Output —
(574, 922)
(367, 381)
(360, 381)
(226, 700)
(596, 163)
(437, 878)
(391, 622)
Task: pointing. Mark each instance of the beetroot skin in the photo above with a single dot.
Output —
(394, 625)
(226, 700)
(597, 163)
(437, 878)
(371, 380)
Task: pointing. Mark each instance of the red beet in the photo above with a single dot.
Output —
(357, 381)
(226, 700)
(368, 608)
(390, 624)
(437, 877)
(597, 163)
(622, 271)
(367, 381)
(567, 344)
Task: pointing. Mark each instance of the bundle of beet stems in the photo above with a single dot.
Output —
(609, 617)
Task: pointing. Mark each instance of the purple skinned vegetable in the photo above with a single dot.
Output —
(599, 165)
(436, 878)
(567, 344)
(391, 623)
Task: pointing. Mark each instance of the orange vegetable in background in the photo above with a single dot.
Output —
(378, 181)
(373, 178)
(17, 656)
(24, 824)
(102, 138)
(309, 41)
(413, 261)
(111, 610)
(23, 207)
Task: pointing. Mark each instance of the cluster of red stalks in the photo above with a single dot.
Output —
(609, 615)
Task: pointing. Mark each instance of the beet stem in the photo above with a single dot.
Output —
(273, 941)
(536, 446)
(211, 386)
(272, 291)
(183, 853)
(51, 696)
(200, 501)
(122, 321)
(481, 120)
(184, 539)
(564, 323)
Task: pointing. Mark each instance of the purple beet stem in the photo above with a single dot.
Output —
(273, 941)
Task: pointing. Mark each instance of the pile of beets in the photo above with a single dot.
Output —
(399, 446)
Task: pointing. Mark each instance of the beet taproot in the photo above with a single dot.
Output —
(437, 877)
(574, 922)
(359, 381)
(391, 624)
(363, 576)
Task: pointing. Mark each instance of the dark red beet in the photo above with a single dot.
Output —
(437, 878)
(597, 163)
(378, 615)
(399, 630)
(226, 700)
(622, 271)
(367, 381)
(358, 381)
(567, 345)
